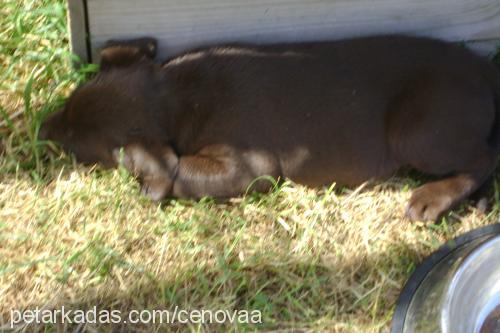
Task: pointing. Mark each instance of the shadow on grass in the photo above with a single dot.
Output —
(291, 294)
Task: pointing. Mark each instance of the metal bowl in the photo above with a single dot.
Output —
(456, 289)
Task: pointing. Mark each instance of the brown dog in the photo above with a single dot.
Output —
(209, 122)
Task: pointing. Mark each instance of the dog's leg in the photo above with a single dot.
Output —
(221, 171)
(217, 171)
(440, 125)
(155, 167)
(481, 197)
(431, 200)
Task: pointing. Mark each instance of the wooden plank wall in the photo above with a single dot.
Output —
(185, 24)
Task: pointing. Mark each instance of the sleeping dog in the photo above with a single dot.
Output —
(211, 121)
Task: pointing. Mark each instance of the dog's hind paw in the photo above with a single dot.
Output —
(428, 203)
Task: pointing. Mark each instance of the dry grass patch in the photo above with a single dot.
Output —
(308, 259)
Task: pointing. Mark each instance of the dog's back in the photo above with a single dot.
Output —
(336, 101)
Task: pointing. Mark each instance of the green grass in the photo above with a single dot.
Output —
(311, 260)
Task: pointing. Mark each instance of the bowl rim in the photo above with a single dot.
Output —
(420, 273)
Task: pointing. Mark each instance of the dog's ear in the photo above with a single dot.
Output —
(122, 53)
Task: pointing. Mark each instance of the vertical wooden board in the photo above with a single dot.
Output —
(181, 25)
(77, 23)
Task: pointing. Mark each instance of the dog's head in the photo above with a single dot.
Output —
(120, 105)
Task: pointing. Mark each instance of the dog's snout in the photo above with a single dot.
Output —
(50, 126)
(43, 133)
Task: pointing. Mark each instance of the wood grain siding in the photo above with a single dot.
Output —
(185, 24)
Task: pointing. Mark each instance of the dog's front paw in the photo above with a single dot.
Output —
(153, 168)
(156, 188)
(428, 203)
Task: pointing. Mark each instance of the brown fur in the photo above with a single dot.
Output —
(209, 122)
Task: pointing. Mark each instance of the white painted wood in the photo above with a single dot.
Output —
(184, 24)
